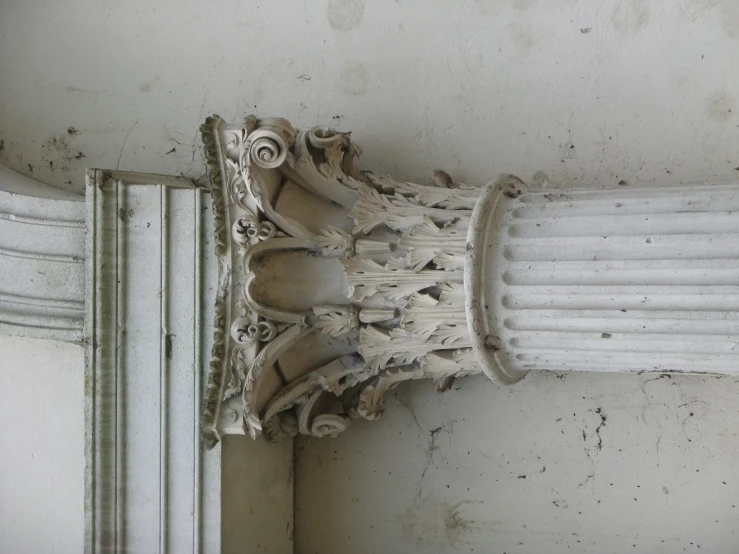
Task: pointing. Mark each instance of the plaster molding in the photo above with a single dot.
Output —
(41, 259)
(147, 481)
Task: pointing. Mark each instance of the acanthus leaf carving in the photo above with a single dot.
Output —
(435, 319)
(442, 365)
(336, 320)
(323, 162)
(451, 293)
(459, 198)
(400, 347)
(369, 402)
(402, 261)
(444, 246)
(367, 278)
(239, 367)
(336, 242)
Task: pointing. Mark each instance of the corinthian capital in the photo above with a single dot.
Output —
(335, 284)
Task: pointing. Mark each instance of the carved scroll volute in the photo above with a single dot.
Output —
(266, 142)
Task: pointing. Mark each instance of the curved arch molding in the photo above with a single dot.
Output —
(42, 255)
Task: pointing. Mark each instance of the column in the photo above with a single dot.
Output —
(337, 284)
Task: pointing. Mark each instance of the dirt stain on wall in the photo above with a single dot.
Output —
(432, 522)
(720, 106)
(60, 153)
(149, 85)
(522, 37)
(628, 18)
(729, 18)
(353, 80)
(344, 15)
(495, 7)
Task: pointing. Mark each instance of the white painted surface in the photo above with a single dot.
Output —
(624, 279)
(479, 87)
(529, 468)
(592, 93)
(42, 459)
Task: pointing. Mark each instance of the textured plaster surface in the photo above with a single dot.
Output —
(41, 439)
(591, 93)
(556, 463)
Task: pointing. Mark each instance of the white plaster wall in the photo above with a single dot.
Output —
(591, 92)
(556, 463)
(42, 460)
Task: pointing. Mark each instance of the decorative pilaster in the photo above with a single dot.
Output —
(149, 484)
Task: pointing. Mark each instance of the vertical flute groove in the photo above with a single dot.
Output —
(120, 270)
(164, 354)
(197, 396)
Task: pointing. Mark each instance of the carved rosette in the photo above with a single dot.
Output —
(335, 284)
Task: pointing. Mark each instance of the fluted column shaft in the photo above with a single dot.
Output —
(605, 280)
